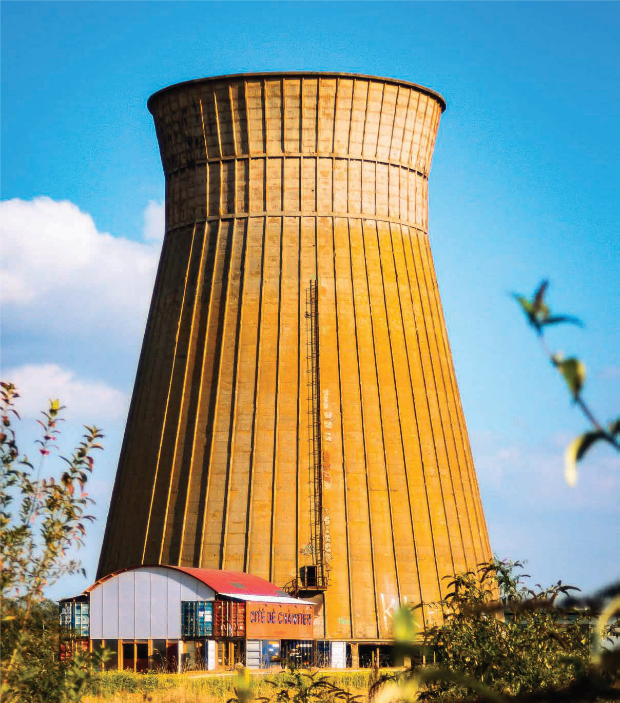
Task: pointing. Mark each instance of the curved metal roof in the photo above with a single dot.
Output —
(230, 583)
(233, 582)
(302, 74)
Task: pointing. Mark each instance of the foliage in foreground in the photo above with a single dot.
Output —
(573, 371)
(538, 652)
(108, 684)
(531, 656)
(531, 649)
(296, 686)
(41, 520)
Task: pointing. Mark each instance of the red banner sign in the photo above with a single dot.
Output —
(286, 621)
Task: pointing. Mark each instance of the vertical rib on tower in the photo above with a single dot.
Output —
(274, 181)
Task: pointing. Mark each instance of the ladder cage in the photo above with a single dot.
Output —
(314, 576)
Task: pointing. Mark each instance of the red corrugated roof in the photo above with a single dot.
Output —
(233, 582)
(229, 582)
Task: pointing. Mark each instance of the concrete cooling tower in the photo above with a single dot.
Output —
(296, 414)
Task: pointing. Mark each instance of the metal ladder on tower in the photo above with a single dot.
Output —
(313, 577)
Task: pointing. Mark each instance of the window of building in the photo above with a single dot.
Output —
(158, 658)
(75, 616)
(297, 653)
(111, 648)
(323, 654)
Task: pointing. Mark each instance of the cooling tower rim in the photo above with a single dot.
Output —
(303, 74)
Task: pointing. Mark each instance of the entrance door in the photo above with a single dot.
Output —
(201, 655)
(211, 654)
(237, 652)
(271, 653)
(223, 658)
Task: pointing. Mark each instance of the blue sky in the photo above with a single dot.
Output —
(524, 185)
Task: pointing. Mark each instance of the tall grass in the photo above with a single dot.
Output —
(125, 686)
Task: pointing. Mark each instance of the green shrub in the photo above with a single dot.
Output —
(41, 519)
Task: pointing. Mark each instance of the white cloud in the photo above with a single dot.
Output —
(531, 473)
(88, 400)
(154, 221)
(13, 287)
(63, 279)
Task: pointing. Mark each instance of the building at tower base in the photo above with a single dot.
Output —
(296, 414)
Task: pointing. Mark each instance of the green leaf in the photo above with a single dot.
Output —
(559, 319)
(538, 312)
(574, 372)
(539, 295)
(529, 310)
(575, 451)
(524, 303)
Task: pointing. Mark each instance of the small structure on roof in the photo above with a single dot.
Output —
(176, 618)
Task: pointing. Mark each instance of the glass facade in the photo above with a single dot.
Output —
(297, 653)
(158, 658)
(271, 653)
(323, 654)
